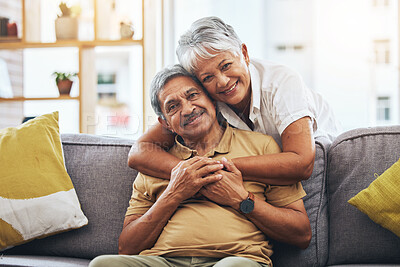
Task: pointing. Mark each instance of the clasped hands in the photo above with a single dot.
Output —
(219, 181)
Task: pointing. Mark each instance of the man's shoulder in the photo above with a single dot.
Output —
(145, 179)
(247, 133)
(254, 139)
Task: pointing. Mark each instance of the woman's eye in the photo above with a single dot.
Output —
(226, 66)
(206, 79)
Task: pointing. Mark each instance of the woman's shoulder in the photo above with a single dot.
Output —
(273, 69)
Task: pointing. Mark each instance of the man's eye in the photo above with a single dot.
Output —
(193, 95)
(172, 107)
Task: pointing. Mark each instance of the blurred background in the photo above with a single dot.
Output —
(347, 50)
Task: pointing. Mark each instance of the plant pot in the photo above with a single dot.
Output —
(66, 28)
(64, 87)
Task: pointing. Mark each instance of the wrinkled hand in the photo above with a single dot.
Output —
(228, 191)
(189, 176)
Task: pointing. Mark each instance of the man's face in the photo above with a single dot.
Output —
(189, 112)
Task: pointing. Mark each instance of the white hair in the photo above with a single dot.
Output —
(206, 38)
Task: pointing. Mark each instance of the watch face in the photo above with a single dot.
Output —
(247, 206)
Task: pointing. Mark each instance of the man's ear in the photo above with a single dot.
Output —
(245, 54)
(165, 124)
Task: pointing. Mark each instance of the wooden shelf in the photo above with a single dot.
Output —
(13, 44)
(10, 39)
(32, 23)
(21, 98)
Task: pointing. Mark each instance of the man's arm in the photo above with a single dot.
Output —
(288, 224)
(295, 163)
(141, 232)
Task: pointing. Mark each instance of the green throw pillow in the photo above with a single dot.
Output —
(381, 200)
(37, 197)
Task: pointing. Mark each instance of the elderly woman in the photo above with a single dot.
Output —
(251, 94)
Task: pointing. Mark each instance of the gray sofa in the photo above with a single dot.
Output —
(342, 235)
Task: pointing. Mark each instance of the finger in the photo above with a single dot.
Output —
(191, 161)
(209, 169)
(201, 162)
(211, 179)
(229, 166)
(186, 164)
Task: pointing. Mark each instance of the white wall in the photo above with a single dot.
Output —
(336, 36)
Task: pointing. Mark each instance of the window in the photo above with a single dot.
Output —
(382, 51)
(283, 48)
(383, 108)
(377, 3)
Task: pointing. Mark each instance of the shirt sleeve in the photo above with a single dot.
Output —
(140, 201)
(292, 100)
(284, 195)
(281, 195)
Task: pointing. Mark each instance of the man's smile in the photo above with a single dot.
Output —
(190, 119)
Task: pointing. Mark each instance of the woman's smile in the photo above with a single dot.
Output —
(230, 90)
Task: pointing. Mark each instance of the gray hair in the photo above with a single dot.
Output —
(205, 38)
(161, 79)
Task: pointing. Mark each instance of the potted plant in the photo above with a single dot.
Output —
(64, 81)
(66, 24)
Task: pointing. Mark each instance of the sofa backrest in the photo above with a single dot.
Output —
(353, 160)
(316, 206)
(103, 182)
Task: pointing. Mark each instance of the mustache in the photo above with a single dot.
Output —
(189, 118)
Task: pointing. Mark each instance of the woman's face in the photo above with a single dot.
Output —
(227, 78)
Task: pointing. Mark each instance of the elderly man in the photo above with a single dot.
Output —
(205, 215)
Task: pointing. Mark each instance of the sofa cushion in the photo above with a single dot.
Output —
(37, 197)
(316, 205)
(381, 200)
(103, 181)
(40, 261)
(353, 160)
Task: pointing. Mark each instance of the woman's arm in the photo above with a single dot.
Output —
(295, 163)
(148, 155)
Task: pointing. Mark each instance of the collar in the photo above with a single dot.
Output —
(224, 146)
(255, 92)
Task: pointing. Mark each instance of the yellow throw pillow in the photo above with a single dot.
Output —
(381, 200)
(37, 197)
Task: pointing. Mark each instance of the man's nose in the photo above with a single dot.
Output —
(222, 80)
(187, 108)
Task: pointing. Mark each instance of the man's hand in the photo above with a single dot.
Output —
(229, 191)
(189, 176)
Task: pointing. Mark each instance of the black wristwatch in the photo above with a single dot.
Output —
(247, 205)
